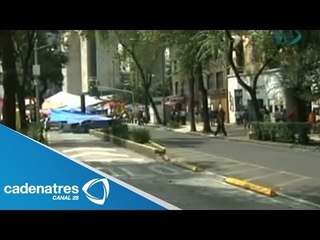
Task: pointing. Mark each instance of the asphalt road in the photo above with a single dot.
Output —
(294, 172)
(178, 186)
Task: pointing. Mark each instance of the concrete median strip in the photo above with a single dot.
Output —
(160, 148)
(154, 151)
(251, 186)
(188, 166)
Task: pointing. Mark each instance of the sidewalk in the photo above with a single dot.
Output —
(238, 133)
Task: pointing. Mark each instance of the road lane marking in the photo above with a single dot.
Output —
(263, 176)
(240, 171)
(297, 175)
(223, 167)
(160, 170)
(292, 181)
(127, 171)
(89, 149)
(132, 175)
(299, 200)
(98, 153)
(110, 172)
(110, 160)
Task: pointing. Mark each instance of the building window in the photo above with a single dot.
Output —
(176, 87)
(219, 80)
(238, 99)
(208, 82)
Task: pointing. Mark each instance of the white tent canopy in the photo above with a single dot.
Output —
(62, 99)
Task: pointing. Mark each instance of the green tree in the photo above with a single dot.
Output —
(187, 48)
(24, 43)
(188, 61)
(222, 44)
(51, 59)
(142, 48)
(51, 63)
(9, 79)
(300, 74)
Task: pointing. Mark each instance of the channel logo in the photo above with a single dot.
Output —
(105, 188)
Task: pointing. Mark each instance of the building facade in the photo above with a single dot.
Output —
(269, 93)
(215, 81)
(90, 61)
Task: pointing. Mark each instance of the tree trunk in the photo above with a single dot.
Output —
(297, 109)
(155, 109)
(22, 106)
(191, 103)
(9, 79)
(146, 103)
(21, 95)
(204, 97)
(148, 97)
(255, 106)
(21, 92)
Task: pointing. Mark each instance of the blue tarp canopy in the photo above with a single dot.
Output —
(60, 115)
(71, 109)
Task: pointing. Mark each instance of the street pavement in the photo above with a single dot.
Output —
(293, 172)
(180, 187)
(232, 129)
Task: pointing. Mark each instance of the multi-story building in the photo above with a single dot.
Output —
(215, 81)
(90, 61)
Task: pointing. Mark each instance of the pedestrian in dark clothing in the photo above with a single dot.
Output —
(220, 121)
(212, 118)
(246, 119)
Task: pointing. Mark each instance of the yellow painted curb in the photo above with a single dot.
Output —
(187, 166)
(251, 186)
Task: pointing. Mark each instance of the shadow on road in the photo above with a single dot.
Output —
(180, 142)
(197, 193)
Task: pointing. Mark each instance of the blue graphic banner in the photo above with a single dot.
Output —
(36, 177)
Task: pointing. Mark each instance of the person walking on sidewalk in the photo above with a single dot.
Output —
(220, 121)
(245, 119)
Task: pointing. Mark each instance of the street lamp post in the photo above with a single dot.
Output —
(36, 74)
